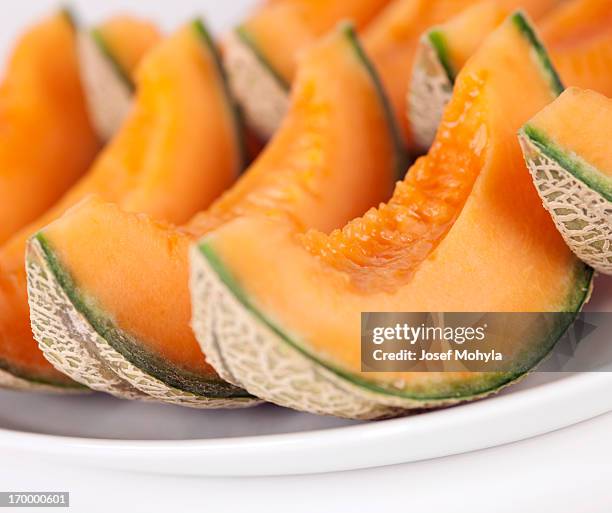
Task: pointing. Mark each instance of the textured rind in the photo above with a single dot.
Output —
(11, 382)
(247, 353)
(109, 97)
(264, 101)
(581, 214)
(73, 346)
(65, 337)
(430, 91)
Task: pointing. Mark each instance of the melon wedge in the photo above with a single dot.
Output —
(392, 39)
(157, 164)
(578, 34)
(465, 231)
(41, 101)
(567, 149)
(334, 156)
(261, 54)
(108, 56)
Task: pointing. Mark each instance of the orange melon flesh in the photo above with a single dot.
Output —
(46, 139)
(576, 20)
(392, 39)
(157, 165)
(563, 124)
(128, 39)
(465, 231)
(332, 158)
(280, 30)
(578, 34)
(458, 39)
(587, 63)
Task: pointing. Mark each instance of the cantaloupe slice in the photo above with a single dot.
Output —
(108, 56)
(578, 34)
(567, 148)
(157, 164)
(126, 276)
(261, 54)
(46, 139)
(393, 38)
(464, 232)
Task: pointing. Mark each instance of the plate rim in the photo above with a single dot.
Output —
(383, 442)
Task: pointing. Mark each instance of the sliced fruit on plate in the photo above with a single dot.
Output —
(391, 41)
(156, 164)
(261, 54)
(108, 56)
(567, 148)
(464, 232)
(334, 156)
(46, 139)
(578, 34)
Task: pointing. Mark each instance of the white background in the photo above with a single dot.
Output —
(566, 471)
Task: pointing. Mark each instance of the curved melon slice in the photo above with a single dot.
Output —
(567, 149)
(261, 54)
(46, 139)
(337, 137)
(465, 231)
(109, 56)
(156, 164)
(578, 34)
(392, 39)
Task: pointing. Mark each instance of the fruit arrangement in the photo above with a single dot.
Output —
(204, 221)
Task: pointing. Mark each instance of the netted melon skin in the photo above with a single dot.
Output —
(108, 95)
(249, 354)
(430, 91)
(75, 348)
(263, 100)
(10, 382)
(581, 214)
(64, 336)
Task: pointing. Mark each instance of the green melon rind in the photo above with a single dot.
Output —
(401, 154)
(13, 378)
(69, 342)
(577, 196)
(239, 121)
(521, 21)
(254, 353)
(64, 335)
(68, 13)
(108, 89)
(121, 73)
(434, 77)
(9, 381)
(128, 346)
(263, 96)
(243, 33)
(574, 164)
(438, 41)
(430, 90)
(245, 351)
(489, 384)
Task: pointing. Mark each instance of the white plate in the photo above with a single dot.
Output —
(101, 431)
